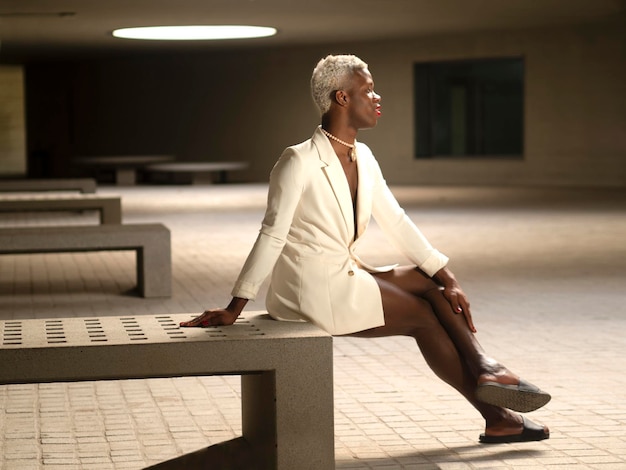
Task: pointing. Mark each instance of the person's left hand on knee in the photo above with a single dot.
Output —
(459, 303)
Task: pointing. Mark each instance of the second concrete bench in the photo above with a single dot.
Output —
(83, 185)
(109, 207)
(151, 242)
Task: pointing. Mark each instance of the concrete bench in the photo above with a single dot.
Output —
(286, 373)
(196, 172)
(125, 167)
(109, 207)
(83, 185)
(151, 242)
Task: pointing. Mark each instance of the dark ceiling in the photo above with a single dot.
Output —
(37, 28)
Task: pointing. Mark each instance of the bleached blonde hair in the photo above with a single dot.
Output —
(332, 73)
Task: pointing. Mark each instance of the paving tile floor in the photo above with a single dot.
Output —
(545, 270)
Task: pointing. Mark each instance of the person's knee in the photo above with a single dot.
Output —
(424, 319)
(425, 283)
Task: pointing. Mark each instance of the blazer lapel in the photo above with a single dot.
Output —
(363, 197)
(337, 179)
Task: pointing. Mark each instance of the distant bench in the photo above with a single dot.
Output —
(83, 185)
(197, 172)
(125, 167)
(286, 373)
(109, 207)
(151, 242)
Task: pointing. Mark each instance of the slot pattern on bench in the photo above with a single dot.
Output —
(55, 333)
(94, 330)
(12, 333)
(76, 331)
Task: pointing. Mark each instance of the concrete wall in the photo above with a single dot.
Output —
(12, 123)
(575, 107)
(248, 105)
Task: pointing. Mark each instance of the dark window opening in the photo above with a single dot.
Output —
(469, 108)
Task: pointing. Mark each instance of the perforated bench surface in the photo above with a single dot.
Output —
(82, 332)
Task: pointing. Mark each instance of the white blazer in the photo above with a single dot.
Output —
(307, 240)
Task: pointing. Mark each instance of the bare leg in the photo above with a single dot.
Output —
(481, 366)
(460, 365)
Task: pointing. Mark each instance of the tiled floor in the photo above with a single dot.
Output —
(545, 270)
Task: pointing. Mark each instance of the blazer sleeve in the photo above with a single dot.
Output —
(399, 228)
(286, 183)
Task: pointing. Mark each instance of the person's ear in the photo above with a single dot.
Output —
(341, 97)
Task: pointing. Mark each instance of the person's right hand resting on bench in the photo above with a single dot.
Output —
(219, 316)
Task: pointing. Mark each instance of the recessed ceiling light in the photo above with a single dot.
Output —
(194, 33)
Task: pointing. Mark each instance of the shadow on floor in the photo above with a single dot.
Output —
(433, 459)
(235, 454)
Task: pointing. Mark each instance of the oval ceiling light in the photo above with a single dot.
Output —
(194, 33)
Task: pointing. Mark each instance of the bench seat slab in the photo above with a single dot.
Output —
(109, 207)
(83, 185)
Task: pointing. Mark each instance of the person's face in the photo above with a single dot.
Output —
(364, 103)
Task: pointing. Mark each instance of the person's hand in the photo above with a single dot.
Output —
(459, 302)
(214, 317)
(454, 295)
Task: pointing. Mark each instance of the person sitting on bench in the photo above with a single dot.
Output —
(322, 193)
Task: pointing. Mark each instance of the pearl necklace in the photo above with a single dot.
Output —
(352, 147)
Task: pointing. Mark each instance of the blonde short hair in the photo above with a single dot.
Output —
(331, 74)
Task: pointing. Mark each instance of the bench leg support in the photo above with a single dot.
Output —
(111, 213)
(287, 417)
(154, 266)
(286, 413)
(125, 176)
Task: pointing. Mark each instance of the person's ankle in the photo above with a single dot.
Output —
(506, 420)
